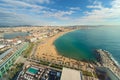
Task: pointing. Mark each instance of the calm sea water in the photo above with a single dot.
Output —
(80, 44)
(15, 34)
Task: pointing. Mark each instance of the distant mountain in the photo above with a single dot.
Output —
(14, 26)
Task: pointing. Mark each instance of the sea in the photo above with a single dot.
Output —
(81, 44)
(14, 35)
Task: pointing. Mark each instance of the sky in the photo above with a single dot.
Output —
(59, 12)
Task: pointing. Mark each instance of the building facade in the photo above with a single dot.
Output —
(6, 64)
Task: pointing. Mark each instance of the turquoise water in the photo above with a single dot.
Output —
(32, 70)
(15, 34)
(80, 44)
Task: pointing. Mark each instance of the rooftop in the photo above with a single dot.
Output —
(5, 53)
(70, 74)
(39, 73)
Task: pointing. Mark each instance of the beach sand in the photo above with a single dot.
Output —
(46, 51)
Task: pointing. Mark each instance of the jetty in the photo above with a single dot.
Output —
(107, 61)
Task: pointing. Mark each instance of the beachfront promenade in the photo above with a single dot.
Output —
(108, 62)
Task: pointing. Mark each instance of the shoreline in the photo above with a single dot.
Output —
(48, 52)
(109, 55)
(61, 36)
(115, 61)
(112, 58)
(65, 33)
(55, 37)
(109, 62)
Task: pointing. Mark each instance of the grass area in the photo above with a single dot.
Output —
(12, 73)
(95, 75)
(27, 52)
(56, 66)
(86, 73)
(44, 63)
(51, 65)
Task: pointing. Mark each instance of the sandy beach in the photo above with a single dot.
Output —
(47, 48)
(46, 51)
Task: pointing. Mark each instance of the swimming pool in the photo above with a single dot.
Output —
(32, 70)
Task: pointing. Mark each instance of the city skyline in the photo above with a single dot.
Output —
(59, 12)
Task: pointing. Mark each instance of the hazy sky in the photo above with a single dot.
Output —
(59, 12)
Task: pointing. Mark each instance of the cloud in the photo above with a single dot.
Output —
(75, 8)
(23, 6)
(19, 4)
(36, 12)
(100, 14)
(16, 3)
(27, 12)
(43, 1)
(36, 1)
(13, 19)
(96, 5)
(63, 15)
